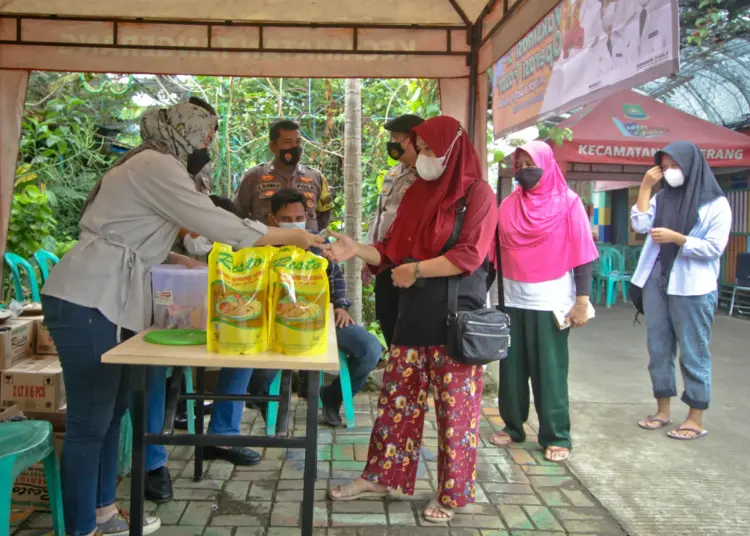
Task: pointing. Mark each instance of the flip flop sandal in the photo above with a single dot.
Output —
(498, 443)
(660, 423)
(698, 433)
(435, 505)
(550, 450)
(345, 493)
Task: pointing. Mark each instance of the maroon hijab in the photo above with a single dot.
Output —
(426, 215)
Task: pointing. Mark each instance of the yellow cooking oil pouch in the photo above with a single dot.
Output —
(238, 299)
(300, 301)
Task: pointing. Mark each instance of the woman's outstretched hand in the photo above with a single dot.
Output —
(306, 240)
(342, 250)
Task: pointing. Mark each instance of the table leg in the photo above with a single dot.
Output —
(199, 420)
(138, 467)
(282, 423)
(311, 453)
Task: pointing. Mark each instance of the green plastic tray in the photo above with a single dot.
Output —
(176, 337)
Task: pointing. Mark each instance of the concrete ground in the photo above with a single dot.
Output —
(518, 492)
(620, 479)
(653, 485)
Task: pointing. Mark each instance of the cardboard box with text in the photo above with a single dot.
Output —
(17, 339)
(34, 385)
(44, 343)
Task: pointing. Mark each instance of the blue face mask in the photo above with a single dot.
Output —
(293, 224)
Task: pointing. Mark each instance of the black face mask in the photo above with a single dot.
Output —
(529, 177)
(197, 160)
(395, 150)
(291, 156)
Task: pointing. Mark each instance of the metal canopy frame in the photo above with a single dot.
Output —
(712, 84)
(61, 35)
(120, 37)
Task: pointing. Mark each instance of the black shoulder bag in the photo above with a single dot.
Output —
(475, 337)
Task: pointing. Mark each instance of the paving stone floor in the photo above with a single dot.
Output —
(518, 492)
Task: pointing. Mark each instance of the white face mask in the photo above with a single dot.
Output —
(197, 246)
(608, 17)
(293, 224)
(674, 177)
(431, 168)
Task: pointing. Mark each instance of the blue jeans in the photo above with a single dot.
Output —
(225, 416)
(361, 347)
(684, 321)
(98, 396)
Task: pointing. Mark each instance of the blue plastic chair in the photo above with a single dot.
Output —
(23, 444)
(346, 392)
(15, 262)
(611, 273)
(43, 258)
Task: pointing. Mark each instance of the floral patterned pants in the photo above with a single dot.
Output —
(396, 438)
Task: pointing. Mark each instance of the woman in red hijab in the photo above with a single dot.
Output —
(449, 170)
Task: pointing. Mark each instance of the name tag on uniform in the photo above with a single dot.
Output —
(269, 186)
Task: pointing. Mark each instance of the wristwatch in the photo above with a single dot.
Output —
(417, 271)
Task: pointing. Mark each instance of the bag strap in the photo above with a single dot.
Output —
(500, 282)
(452, 241)
(453, 281)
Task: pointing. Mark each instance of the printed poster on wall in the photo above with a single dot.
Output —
(582, 51)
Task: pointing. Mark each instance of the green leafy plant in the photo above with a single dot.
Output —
(31, 222)
(557, 135)
(71, 122)
(713, 22)
(31, 225)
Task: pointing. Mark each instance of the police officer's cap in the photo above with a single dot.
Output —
(403, 123)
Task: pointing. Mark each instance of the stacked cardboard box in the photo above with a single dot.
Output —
(17, 341)
(31, 385)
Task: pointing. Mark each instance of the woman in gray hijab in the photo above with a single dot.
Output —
(687, 224)
(100, 293)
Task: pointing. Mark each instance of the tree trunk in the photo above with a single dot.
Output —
(353, 190)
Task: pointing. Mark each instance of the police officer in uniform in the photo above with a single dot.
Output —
(395, 184)
(253, 197)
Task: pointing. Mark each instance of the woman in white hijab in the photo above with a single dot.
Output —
(100, 294)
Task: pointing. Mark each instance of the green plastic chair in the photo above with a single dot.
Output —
(15, 262)
(126, 445)
(188, 375)
(632, 256)
(611, 273)
(43, 258)
(346, 391)
(23, 444)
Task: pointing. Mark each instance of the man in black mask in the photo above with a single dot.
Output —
(396, 182)
(253, 197)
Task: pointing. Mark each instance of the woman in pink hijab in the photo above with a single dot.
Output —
(547, 250)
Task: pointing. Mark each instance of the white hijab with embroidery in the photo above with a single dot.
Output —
(178, 131)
